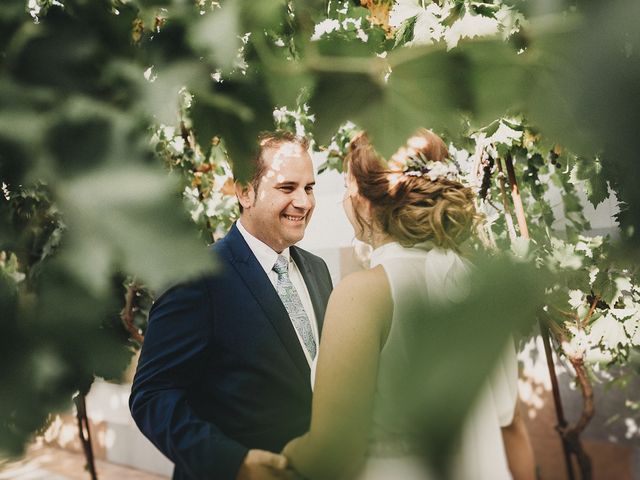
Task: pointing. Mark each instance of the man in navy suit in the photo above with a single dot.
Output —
(224, 373)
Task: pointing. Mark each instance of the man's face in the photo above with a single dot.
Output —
(279, 211)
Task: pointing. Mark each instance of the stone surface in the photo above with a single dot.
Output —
(44, 462)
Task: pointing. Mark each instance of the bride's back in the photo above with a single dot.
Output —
(419, 279)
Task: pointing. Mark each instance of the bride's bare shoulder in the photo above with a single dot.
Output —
(365, 284)
(362, 298)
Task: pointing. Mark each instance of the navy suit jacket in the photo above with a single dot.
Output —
(221, 370)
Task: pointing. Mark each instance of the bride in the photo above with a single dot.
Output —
(415, 215)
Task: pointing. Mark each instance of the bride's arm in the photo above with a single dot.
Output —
(355, 327)
(518, 448)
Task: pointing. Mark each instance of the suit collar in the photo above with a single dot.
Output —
(265, 255)
(238, 248)
(310, 279)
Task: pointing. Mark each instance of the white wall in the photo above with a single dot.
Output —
(329, 227)
(123, 442)
(329, 230)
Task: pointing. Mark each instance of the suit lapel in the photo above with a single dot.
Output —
(261, 288)
(319, 306)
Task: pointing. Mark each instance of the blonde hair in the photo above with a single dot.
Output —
(413, 208)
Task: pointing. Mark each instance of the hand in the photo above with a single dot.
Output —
(263, 465)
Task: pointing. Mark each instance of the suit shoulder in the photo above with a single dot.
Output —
(310, 257)
(191, 288)
(220, 247)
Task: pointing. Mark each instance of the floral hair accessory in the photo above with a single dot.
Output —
(414, 163)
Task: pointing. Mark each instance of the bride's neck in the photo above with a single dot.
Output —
(380, 238)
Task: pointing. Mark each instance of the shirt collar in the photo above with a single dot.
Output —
(265, 255)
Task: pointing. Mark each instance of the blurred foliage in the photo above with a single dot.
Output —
(82, 201)
(92, 92)
(57, 333)
(438, 390)
(592, 298)
(587, 96)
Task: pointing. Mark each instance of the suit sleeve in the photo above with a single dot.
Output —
(322, 272)
(174, 350)
(328, 275)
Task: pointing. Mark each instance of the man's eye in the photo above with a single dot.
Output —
(287, 189)
(309, 189)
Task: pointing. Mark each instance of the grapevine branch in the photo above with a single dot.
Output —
(85, 434)
(562, 422)
(587, 393)
(589, 314)
(558, 332)
(571, 315)
(127, 313)
(570, 434)
(517, 199)
(507, 208)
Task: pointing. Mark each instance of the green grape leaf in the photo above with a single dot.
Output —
(161, 97)
(423, 90)
(405, 33)
(258, 16)
(455, 13)
(217, 34)
(415, 96)
(128, 218)
(238, 111)
(80, 135)
(485, 9)
(286, 86)
(605, 286)
(590, 172)
(20, 134)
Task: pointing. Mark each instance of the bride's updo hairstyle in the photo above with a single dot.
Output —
(410, 204)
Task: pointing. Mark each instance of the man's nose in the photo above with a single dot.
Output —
(301, 199)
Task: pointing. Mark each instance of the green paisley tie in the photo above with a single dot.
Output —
(293, 305)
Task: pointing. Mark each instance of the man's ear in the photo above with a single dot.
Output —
(246, 194)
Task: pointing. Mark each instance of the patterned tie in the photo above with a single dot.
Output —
(293, 305)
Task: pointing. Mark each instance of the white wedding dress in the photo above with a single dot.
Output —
(425, 275)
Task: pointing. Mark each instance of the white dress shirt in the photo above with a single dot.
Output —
(267, 257)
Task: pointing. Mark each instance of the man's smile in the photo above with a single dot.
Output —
(294, 218)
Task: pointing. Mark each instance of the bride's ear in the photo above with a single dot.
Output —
(367, 208)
